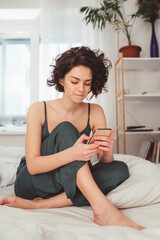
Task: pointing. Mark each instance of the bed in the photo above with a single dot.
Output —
(138, 198)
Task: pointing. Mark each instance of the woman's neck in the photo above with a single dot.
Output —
(68, 106)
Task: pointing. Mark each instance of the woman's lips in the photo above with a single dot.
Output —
(78, 95)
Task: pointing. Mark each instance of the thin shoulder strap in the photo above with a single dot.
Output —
(88, 112)
(45, 111)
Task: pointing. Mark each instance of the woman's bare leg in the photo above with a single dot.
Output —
(104, 212)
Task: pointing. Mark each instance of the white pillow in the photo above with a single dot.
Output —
(9, 161)
(11, 154)
(141, 188)
(7, 174)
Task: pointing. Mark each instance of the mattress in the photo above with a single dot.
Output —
(138, 198)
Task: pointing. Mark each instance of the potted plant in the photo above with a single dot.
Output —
(149, 10)
(112, 11)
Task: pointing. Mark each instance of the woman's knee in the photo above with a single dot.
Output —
(67, 128)
(67, 134)
(123, 171)
(61, 138)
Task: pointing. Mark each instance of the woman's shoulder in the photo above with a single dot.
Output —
(95, 108)
(37, 106)
(36, 112)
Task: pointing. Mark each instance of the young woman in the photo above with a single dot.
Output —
(56, 171)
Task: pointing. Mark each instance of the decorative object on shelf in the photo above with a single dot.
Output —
(113, 12)
(154, 52)
(149, 10)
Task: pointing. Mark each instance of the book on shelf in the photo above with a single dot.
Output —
(138, 129)
(142, 149)
(154, 152)
(158, 153)
(133, 127)
(150, 150)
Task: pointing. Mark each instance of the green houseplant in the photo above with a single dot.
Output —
(149, 10)
(112, 11)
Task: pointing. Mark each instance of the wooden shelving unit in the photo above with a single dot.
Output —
(132, 64)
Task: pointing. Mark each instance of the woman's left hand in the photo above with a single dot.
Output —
(105, 142)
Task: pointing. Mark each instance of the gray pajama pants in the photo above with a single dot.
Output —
(63, 179)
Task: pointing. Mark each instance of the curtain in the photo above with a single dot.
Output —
(62, 27)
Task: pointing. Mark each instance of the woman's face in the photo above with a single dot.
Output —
(77, 83)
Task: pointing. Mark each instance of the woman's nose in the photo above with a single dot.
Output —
(81, 87)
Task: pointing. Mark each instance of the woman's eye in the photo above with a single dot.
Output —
(74, 82)
(86, 84)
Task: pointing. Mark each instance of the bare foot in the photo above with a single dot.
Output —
(18, 202)
(113, 217)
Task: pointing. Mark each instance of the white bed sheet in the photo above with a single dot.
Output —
(138, 197)
(73, 223)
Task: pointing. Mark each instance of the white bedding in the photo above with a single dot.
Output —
(138, 198)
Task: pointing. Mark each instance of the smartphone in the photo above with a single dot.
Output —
(100, 131)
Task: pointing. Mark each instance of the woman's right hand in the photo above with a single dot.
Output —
(82, 151)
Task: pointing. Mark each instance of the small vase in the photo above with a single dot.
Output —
(154, 44)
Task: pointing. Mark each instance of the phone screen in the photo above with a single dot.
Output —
(100, 131)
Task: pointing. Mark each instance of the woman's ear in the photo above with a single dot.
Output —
(61, 81)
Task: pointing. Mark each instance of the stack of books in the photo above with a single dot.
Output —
(150, 150)
(138, 129)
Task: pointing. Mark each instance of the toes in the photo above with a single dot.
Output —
(141, 228)
(3, 201)
(8, 201)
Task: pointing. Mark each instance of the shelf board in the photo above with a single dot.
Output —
(141, 63)
(145, 132)
(140, 97)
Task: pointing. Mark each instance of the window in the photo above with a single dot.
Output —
(14, 80)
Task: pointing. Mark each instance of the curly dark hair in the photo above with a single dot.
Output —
(93, 59)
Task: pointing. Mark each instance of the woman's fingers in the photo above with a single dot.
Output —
(103, 138)
(82, 138)
(105, 149)
(112, 133)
